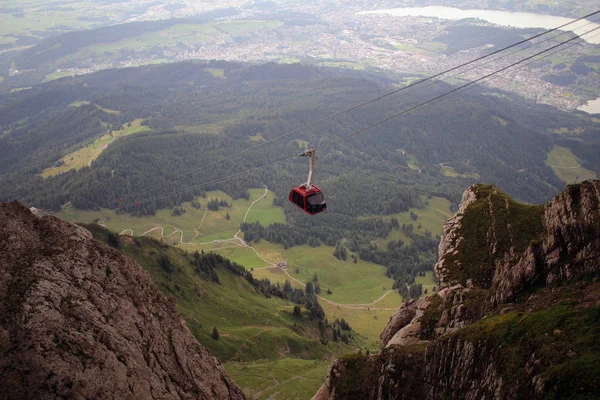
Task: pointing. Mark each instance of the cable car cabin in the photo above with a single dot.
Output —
(311, 201)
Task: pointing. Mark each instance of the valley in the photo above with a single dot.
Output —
(354, 287)
(169, 132)
(353, 284)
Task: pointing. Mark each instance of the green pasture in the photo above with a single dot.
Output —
(242, 255)
(204, 232)
(391, 300)
(568, 131)
(215, 226)
(567, 166)
(449, 171)
(264, 211)
(434, 47)
(83, 157)
(216, 72)
(342, 64)
(431, 217)
(500, 120)
(57, 75)
(283, 379)
(368, 323)
(428, 282)
(411, 160)
(275, 275)
(43, 15)
(108, 110)
(79, 103)
(351, 283)
(289, 60)
(453, 173)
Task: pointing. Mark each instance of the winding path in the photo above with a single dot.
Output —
(242, 242)
(559, 167)
(237, 241)
(353, 306)
(264, 329)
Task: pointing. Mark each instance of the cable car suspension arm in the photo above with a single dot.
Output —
(312, 157)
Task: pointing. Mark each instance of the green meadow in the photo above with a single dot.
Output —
(567, 166)
(431, 218)
(368, 323)
(265, 212)
(428, 282)
(350, 283)
(283, 379)
(84, 157)
(194, 226)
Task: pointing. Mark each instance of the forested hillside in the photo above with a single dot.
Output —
(197, 114)
(186, 104)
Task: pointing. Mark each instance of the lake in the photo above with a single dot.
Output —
(591, 107)
(504, 18)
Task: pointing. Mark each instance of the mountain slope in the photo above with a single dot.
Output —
(517, 316)
(210, 291)
(80, 320)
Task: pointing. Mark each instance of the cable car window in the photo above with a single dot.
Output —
(316, 203)
(316, 199)
(298, 199)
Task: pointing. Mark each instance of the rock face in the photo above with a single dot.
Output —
(519, 246)
(80, 320)
(499, 326)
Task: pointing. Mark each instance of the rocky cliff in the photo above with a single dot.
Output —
(517, 314)
(80, 320)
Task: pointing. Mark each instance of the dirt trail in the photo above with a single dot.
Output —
(239, 242)
(275, 385)
(242, 242)
(353, 306)
(263, 330)
(559, 167)
(197, 230)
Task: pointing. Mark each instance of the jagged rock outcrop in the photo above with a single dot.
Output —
(570, 247)
(517, 245)
(497, 328)
(80, 320)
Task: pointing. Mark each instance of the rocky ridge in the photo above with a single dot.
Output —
(516, 314)
(80, 320)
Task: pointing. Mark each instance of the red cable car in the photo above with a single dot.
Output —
(307, 196)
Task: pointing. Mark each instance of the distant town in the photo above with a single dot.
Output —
(336, 34)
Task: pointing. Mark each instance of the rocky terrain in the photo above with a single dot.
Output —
(517, 314)
(80, 320)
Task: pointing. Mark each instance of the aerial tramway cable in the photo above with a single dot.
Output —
(449, 93)
(534, 60)
(423, 104)
(213, 165)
